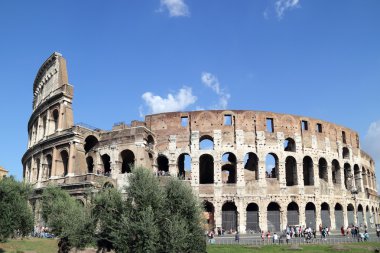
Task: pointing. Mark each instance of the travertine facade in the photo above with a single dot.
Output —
(3, 172)
(253, 170)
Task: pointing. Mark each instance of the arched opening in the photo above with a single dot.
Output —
(364, 176)
(360, 215)
(339, 219)
(90, 142)
(184, 166)
(310, 215)
(106, 160)
(336, 172)
(358, 178)
(206, 142)
(49, 162)
(65, 161)
(346, 153)
(291, 171)
(90, 164)
(293, 214)
(108, 185)
(163, 165)
(209, 211)
(273, 217)
(289, 145)
(322, 169)
(252, 217)
(347, 176)
(128, 161)
(308, 171)
(229, 168)
(229, 216)
(368, 216)
(55, 119)
(351, 215)
(251, 167)
(272, 166)
(150, 141)
(325, 215)
(206, 169)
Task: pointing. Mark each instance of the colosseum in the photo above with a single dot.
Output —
(252, 170)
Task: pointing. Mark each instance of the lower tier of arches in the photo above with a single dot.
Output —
(246, 217)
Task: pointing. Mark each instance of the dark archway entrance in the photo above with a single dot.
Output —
(229, 216)
(253, 218)
(273, 217)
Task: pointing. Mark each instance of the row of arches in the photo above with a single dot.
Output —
(230, 216)
(351, 178)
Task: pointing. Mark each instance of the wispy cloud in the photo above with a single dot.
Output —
(176, 102)
(212, 82)
(281, 6)
(371, 142)
(176, 8)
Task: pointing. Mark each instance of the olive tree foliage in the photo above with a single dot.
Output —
(150, 218)
(67, 218)
(15, 214)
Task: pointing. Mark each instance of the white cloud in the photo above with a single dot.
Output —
(176, 8)
(283, 5)
(371, 142)
(212, 82)
(176, 102)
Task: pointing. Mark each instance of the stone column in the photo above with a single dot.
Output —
(263, 224)
(345, 218)
(218, 172)
(302, 217)
(329, 179)
(242, 217)
(240, 173)
(300, 178)
(218, 214)
(282, 174)
(332, 217)
(262, 168)
(70, 169)
(195, 171)
(318, 219)
(54, 163)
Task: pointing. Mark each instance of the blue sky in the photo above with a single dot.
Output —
(128, 58)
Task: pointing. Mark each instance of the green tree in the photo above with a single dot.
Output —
(15, 213)
(67, 218)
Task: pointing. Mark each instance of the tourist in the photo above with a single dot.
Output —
(342, 230)
(275, 237)
(262, 235)
(287, 238)
(268, 236)
(237, 237)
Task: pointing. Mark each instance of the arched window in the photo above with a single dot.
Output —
(338, 212)
(206, 169)
(358, 177)
(49, 165)
(90, 164)
(206, 142)
(150, 141)
(289, 145)
(273, 217)
(209, 211)
(272, 166)
(346, 153)
(293, 214)
(325, 215)
(184, 166)
(229, 216)
(322, 169)
(252, 223)
(65, 161)
(251, 167)
(55, 119)
(106, 160)
(90, 142)
(291, 171)
(310, 215)
(350, 215)
(360, 215)
(229, 168)
(128, 161)
(347, 176)
(335, 168)
(308, 171)
(163, 164)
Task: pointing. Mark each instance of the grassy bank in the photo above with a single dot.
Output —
(354, 248)
(37, 245)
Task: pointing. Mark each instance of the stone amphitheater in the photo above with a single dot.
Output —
(252, 170)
